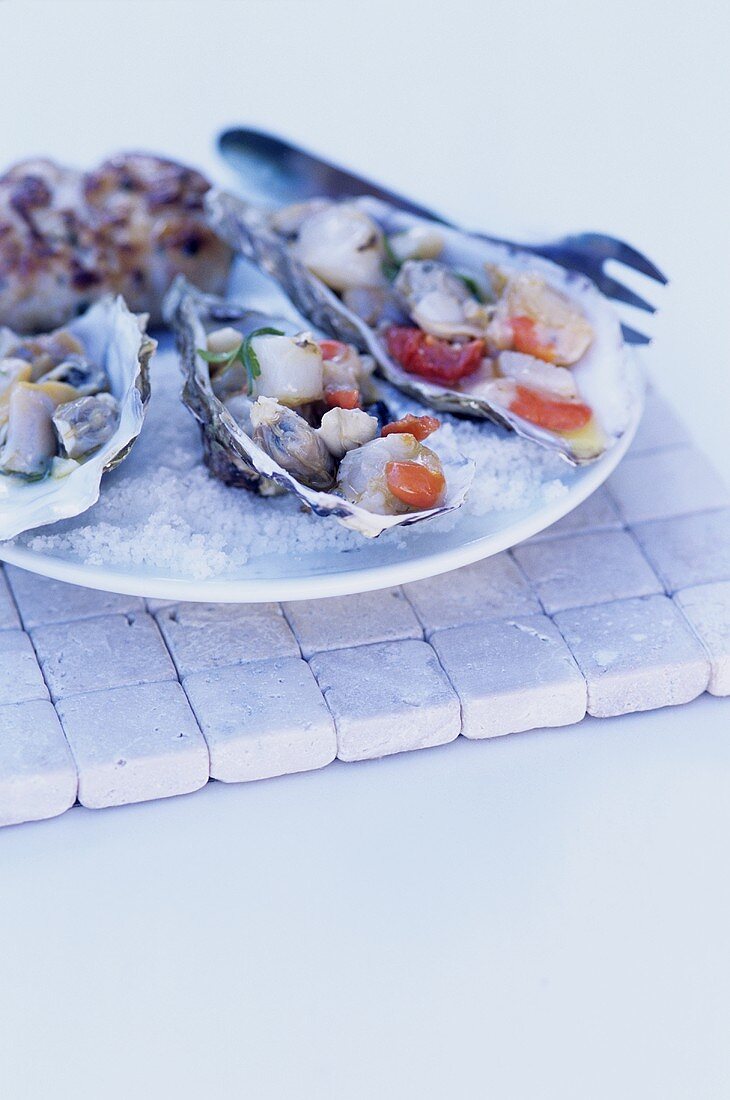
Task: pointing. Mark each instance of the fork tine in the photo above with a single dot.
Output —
(633, 336)
(612, 288)
(611, 248)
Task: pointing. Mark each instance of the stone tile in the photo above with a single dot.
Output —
(205, 636)
(660, 426)
(37, 772)
(513, 675)
(261, 719)
(343, 621)
(111, 651)
(132, 744)
(667, 483)
(490, 589)
(387, 698)
(8, 615)
(688, 550)
(20, 676)
(598, 513)
(635, 655)
(586, 569)
(707, 607)
(42, 600)
(153, 605)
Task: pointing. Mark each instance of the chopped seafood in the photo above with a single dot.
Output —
(300, 419)
(72, 403)
(466, 325)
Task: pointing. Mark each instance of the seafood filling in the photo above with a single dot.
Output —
(55, 410)
(507, 339)
(301, 401)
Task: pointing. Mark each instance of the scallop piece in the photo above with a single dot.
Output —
(223, 341)
(30, 442)
(343, 246)
(532, 316)
(111, 337)
(439, 301)
(12, 370)
(291, 368)
(343, 429)
(422, 242)
(86, 424)
(537, 374)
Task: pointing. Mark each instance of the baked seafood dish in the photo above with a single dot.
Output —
(284, 410)
(463, 324)
(72, 403)
(127, 227)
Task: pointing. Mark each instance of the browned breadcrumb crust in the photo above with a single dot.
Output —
(129, 226)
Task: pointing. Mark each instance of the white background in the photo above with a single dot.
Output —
(543, 916)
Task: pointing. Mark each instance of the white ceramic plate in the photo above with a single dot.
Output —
(61, 551)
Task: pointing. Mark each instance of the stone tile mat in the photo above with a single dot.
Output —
(623, 605)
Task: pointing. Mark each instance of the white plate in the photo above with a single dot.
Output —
(358, 565)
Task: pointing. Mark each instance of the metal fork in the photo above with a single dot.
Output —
(272, 168)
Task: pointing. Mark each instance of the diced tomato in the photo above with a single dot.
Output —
(414, 484)
(526, 339)
(418, 426)
(332, 349)
(342, 399)
(546, 412)
(431, 358)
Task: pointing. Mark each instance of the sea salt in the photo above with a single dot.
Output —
(161, 512)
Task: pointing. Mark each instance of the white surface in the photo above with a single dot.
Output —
(543, 917)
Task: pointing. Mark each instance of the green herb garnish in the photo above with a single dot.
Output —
(244, 354)
(472, 286)
(391, 265)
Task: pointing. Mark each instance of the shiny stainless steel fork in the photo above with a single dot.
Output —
(271, 168)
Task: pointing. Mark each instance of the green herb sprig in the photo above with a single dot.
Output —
(244, 354)
(472, 286)
(391, 265)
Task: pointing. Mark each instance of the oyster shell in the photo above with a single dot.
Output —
(53, 488)
(235, 456)
(600, 371)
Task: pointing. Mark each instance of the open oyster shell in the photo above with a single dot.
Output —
(114, 339)
(231, 454)
(603, 376)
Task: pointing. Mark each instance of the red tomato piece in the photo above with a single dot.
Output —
(526, 340)
(431, 358)
(418, 426)
(414, 484)
(556, 416)
(342, 399)
(332, 349)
